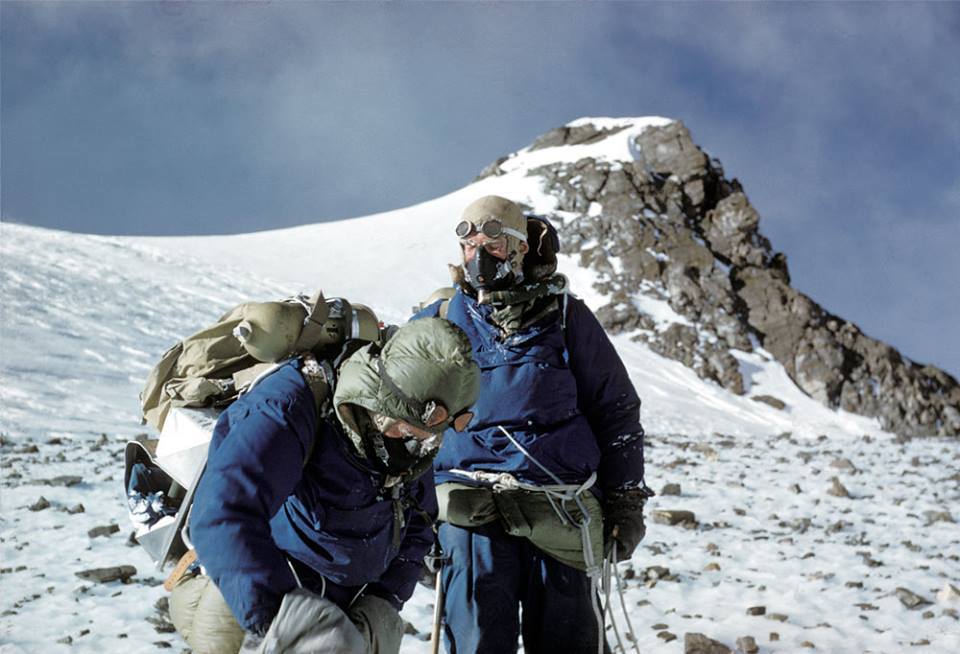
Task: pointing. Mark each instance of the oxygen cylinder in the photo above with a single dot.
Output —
(269, 330)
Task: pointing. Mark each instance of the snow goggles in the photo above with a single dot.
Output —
(428, 412)
(491, 228)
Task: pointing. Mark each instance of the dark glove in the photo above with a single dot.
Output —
(623, 520)
(432, 564)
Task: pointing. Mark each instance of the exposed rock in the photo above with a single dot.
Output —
(837, 489)
(756, 610)
(938, 516)
(671, 517)
(106, 575)
(40, 504)
(700, 644)
(61, 480)
(770, 400)
(712, 567)
(910, 599)
(843, 464)
(672, 227)
(779, 617)
(666, 636)
(103, 530)
(949, 594)
(670, 489)
(747, 645)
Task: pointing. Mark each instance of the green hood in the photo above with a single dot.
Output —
(428, 359)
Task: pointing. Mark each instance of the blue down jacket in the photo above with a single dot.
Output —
(562, 392)
(259, 504)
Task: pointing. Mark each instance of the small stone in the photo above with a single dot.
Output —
(409, 629)
(779, 617)
(843, 464)
(910, 599)
(666, 636)
(66, 640)
(938, 516)
(948, 594)
(920, 643)
(40, 504)
(837, 489)
(76, 508)
(62, 480)
(795, 489)
(660, 626)
(700, 644)
(162, 644)
(670, 489)
(928, 615)
(854, 584)
(712, 567)
(808, 645)
(106, 575)
(665, 517)
(747, 645)
(774, 636)
(103, 530)
(655, 572)
(756, 610)
(951, 613)
(770, 400)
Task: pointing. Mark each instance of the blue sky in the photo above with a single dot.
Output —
(180, 118)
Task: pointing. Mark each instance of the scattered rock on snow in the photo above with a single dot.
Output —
(40, 504)
(910, 599)
(950, 594)
(843, 464)
(103, 530)
(670, 489)
(747, 645)
(756, 610)
(938, 516)
(700, 644)
(671, 517)
(837, 489)
(106, 575)
(666, 636)
(61, 480)
(770, 400)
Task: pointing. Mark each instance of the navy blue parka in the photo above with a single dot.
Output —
(559, 387)
(284, 489)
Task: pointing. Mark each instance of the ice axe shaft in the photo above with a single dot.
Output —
(437, 617)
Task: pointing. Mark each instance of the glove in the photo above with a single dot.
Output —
(623, 521)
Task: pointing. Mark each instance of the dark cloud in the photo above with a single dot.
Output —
(175, 117)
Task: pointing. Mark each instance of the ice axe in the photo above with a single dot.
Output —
(434, 563)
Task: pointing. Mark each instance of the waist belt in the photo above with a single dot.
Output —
(563, 520)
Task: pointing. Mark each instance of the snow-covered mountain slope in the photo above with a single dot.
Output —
(85, 317)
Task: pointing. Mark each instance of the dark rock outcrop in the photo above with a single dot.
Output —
(670, 226)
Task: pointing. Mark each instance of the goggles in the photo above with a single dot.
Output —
(491, 228)
(430, 412)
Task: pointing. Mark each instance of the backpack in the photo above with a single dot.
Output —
(197, 378)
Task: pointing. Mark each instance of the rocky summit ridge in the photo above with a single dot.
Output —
(659, 219)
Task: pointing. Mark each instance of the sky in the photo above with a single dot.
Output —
(168, 117)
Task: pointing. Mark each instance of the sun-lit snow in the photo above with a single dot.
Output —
(85, 317)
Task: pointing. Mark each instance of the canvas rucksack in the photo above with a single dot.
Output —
(196, 379)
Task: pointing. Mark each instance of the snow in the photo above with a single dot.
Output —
(614, 149)
(85, 317)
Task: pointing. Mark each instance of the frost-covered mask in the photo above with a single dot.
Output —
(400, 445)
(487, 272)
